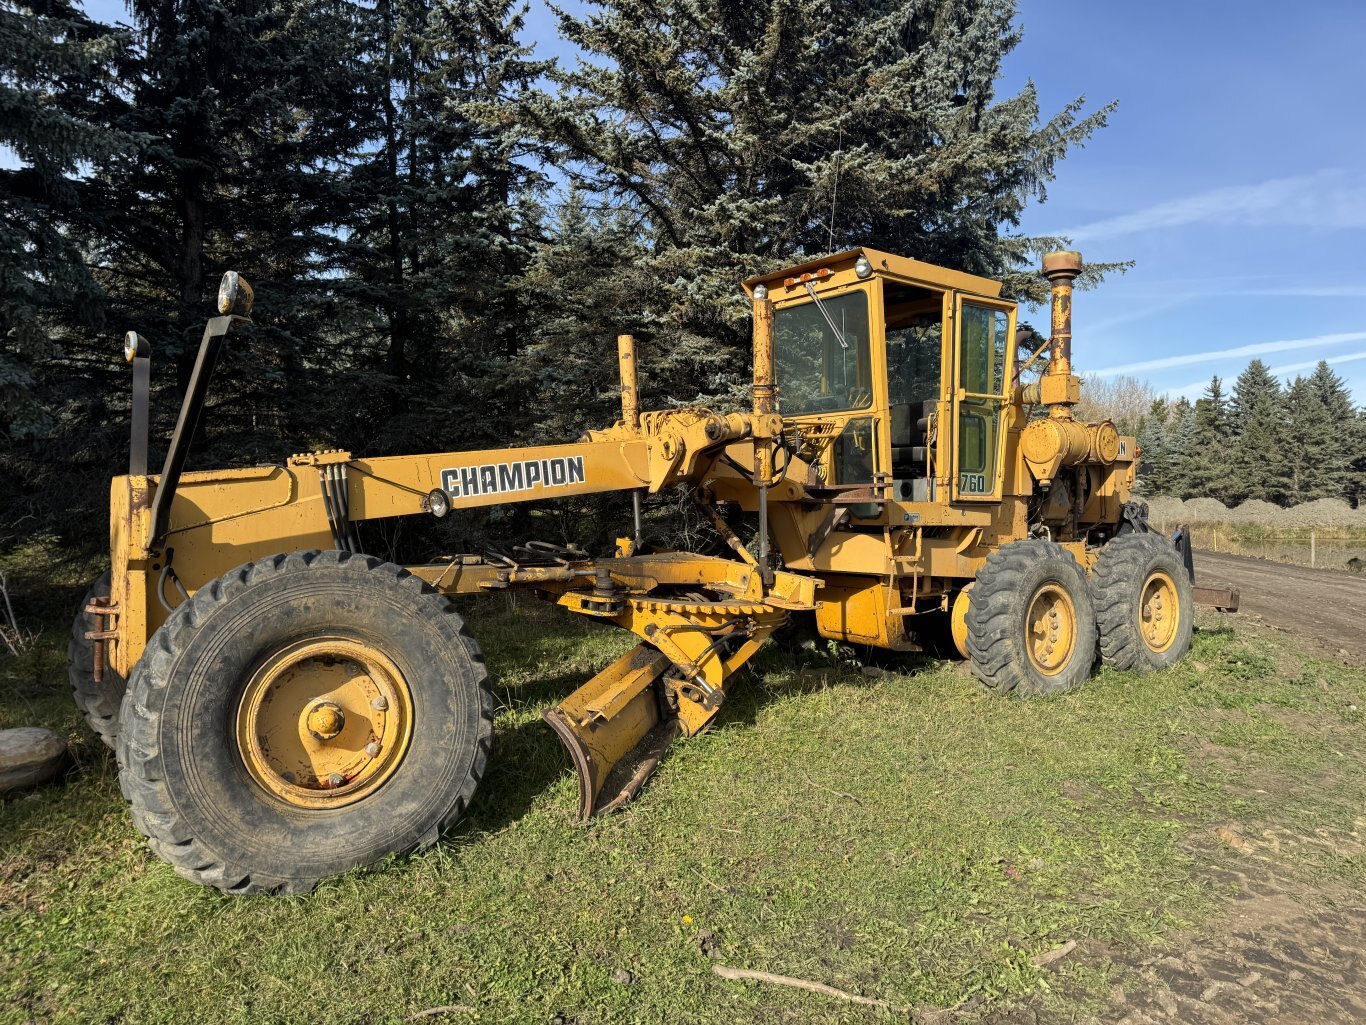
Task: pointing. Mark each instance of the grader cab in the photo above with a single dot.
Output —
(294, 707)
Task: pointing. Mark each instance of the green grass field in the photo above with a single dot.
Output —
(897, 835)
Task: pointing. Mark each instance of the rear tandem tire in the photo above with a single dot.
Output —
(98, 702)
(1145, 611)
(301, 716)
(1031, 627)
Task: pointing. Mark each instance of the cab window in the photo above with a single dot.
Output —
(985, 335)
(915, 330)
(822, 355)
(914, 318)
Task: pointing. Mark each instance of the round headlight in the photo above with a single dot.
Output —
(135, 345)
(862, 267)
(438, 503)
(235, 295)
(761, 292)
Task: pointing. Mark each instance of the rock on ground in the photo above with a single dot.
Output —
(29, 755)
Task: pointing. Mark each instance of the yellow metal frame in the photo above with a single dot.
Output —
(961, 394)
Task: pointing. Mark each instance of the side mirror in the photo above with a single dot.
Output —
(235, 296)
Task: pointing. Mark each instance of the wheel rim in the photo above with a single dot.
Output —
(1159, 611)
(1051, 629)
(324, 722)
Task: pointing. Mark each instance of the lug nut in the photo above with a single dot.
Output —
(379, 704)
(336, 779)
(372, 749)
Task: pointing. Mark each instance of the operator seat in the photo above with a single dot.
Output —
(910, 424)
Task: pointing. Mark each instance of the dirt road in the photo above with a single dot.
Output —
(1324, 609)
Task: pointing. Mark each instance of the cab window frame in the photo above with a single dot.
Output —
(988, 407)
(870, 355)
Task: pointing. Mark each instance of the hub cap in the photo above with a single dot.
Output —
(322, 723)
(1159, 611)
(1050, 629)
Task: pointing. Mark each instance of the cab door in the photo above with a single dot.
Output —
(984, 356)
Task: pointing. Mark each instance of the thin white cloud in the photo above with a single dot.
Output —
(1185, 359)
(1197, 388)
(1154, 300)
(1330, 199)
(1314, 292)
(1291, 368)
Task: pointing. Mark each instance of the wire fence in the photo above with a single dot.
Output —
(1326, 548)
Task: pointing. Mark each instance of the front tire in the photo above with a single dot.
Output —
(302, 716)
(98, 702)
(1031, 629)
(1144, 607)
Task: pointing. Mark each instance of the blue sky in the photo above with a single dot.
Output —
(1231, 173)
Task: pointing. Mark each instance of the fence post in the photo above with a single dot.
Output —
(1313, 549)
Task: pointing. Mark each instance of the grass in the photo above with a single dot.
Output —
(899, 835)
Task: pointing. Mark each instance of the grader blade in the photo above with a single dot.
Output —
(613, 730)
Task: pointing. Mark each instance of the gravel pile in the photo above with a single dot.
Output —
(1205, 509)
(1324, 512)
(1166, 510)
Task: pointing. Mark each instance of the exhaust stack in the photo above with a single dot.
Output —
(1061, 269)
(1059, 388)
(1061, 440)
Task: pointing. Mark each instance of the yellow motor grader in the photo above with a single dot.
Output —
(294, 707)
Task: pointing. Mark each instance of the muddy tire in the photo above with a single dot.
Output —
(1145, 612)
(301, 716)
(1031, 627)
(98, 702)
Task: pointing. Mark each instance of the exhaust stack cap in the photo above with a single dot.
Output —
(1064, 264)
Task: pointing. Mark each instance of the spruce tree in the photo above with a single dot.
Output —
(56, 65)
(744, 136)
(1210, 472)
(586, 290)
(445, 216)
(1356, 447)
(1312, 460)
(251, 106)
(1258, 458)
(1181, 450)
(1339, 426)
(1154, 476)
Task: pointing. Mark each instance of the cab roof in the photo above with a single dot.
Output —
(901, 267)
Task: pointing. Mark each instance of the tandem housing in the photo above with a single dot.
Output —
(496, 478)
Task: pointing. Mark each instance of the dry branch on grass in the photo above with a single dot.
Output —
(738, 974)
(835, 793)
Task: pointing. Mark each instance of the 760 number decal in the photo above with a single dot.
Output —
(973, 483)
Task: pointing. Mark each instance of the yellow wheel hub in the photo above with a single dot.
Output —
(1159, 611)
(1050, 629)
(322, 723)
